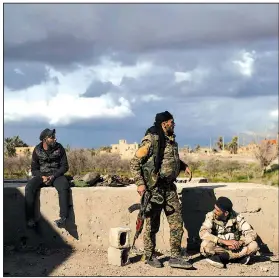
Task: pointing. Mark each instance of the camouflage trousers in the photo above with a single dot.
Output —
(172, 209)
(209, 248)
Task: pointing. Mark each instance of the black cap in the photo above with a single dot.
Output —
(224, 204)
(46, 133)
(163, 117)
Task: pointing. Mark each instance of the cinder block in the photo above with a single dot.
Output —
(120, 237)
(119, 257)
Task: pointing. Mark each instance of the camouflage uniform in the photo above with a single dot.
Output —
(164, 194)
(235, 228)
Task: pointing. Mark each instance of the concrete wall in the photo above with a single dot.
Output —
(95, 210)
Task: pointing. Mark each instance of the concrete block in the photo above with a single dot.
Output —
(119, 257)
(120, 237)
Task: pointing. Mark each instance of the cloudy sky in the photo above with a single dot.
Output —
(100, 72)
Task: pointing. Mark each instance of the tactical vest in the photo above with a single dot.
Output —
(228, 230)
(170, 166)
(49, 161)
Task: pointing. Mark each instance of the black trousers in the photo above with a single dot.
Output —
(62, 186)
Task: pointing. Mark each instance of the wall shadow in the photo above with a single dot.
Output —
(22, 239)
(264, 249)
(196, 203)
(71, 226)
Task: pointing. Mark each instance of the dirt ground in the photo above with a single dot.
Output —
(94, 263)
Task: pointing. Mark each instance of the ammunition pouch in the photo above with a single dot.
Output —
(149, 175)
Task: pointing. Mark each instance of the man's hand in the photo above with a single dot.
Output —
(141, 189)
(50, 179)
(232, 244)
(45, 179)
(188, 172)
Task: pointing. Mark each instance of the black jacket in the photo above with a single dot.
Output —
(51, 162)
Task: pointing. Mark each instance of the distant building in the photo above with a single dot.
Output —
(271, 141)
(21, 151)
(125, 150)
(248, 149)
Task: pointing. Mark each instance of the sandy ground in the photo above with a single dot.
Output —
(94, 263)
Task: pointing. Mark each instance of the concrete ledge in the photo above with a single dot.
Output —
(97, 209)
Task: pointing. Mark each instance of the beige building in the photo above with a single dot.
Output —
(248, 149)
(20, 151)
(125, 150)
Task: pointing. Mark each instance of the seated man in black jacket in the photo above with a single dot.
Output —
(49, 164)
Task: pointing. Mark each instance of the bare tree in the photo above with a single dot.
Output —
(265, 153)
(78, 161)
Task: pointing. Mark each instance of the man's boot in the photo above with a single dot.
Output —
(215, 261)
(219, 260)
(154, 262)
(60, 222)
(244, 260)
(179, 262)
(31, 223)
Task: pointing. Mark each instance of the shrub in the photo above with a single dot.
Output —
(81, 161)
(230, 168)
(212, 167)
(78, 161)
(17, 166)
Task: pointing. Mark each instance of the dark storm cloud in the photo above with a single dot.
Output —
(201, 39)
(19, 76)
(153, 83)
(210, 76)
(72, 33)
(98, 88)
(52, 50)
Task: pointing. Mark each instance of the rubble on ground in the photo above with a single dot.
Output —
(95, 179)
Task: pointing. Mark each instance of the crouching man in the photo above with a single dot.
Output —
(49, 164)
(226, 236)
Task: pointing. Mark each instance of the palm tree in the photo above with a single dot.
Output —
(10, 145)
(233, 145)
(18, 142)
(220, 143)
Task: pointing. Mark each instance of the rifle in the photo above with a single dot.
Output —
(142, 213)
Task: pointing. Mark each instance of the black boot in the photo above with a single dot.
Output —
(244, 260)
(31, 223)
(219, 260)
(215, 261)
(60, 222)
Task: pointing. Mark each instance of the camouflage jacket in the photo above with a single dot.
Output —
(143, 162)
(234, 228)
